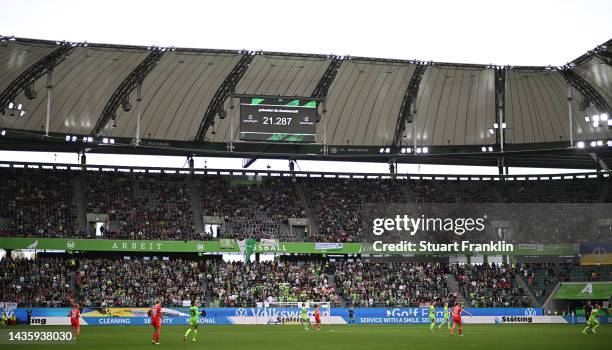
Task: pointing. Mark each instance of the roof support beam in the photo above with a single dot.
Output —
(34, 72)
(602, 52)
(134, 79)
(223, 92)
(585, 89)
(500, 102)
(601, 164)
(605, 56)
(406, 114)
(320, 91)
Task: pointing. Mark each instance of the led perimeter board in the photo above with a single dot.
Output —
(274, 119)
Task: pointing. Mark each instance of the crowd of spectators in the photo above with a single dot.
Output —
(138, 282)
(37, 202)
(141, 206)
(42, 282)
(338, 205)
(491, 285)
(43, 203)
(391, 284)
(253, 209)
(239, 285)
(438, 191)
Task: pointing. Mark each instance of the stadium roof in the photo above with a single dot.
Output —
(372, 106)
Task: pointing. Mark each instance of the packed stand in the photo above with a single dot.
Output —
(338, 205)
(439, 191)
(491, 285)
(251, 209)
(37, 203)
(240, 285)
(138, 282)
(392, 284)
(41, 282)
(141, 206)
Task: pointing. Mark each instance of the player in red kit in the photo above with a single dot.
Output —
(75, 316)
(317, 316)
(156, 319)
(456, 315)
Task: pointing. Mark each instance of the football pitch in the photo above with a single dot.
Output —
(353, 337)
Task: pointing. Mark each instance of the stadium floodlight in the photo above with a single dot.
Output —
(403, 150)
(425, 150)
(595, 124)
(495, 126)
(419, 150)
(22, 113)
(381, 150)
(593, 143)
(105, 140)
(609, 143)
(599, 143)
(490, 149)
(112, 141)
(408, 150)
(503, 125)
(11, 104)
(387, 150)
(609, 122)
(595, 118)
(126, 105)
(74, 138)
(603, 117)
(67, 138)
(3, 132)
(580, 144)
(89, 139)
(491, 131)
(19, 107)
(587, 119)
(483, 148)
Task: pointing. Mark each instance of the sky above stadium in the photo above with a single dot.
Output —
(517, 32)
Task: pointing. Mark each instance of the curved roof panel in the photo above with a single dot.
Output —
(364, 102)
(455, 105)
(598, 74)
(537, 110)
(270, 74)
(175, 95)
(16, 57)
(82, 85)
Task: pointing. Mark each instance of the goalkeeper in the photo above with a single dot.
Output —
(194, 321)
(592, 323)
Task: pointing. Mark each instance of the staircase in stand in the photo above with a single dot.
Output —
(79, 201)
(196, 206)
(454, 286)
(521, 282)
(331, 280)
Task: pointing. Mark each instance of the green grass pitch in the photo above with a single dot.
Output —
(353, 337)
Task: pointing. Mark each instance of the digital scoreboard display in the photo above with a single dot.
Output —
(278, 120)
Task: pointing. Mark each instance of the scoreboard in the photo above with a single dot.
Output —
(278, 119)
